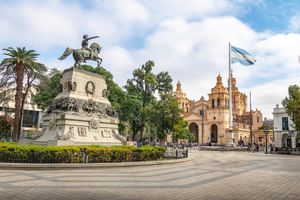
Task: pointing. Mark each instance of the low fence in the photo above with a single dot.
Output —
(176, 153)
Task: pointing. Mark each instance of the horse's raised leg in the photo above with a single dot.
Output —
(77, 64)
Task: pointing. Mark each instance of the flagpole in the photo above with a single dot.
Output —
(230, 129)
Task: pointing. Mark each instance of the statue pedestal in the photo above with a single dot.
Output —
(81, 114)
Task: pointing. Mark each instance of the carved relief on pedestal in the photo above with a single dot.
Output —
(72, 86)
(90, 88)
(105, 93)
(118, 136)
(82, 131)
(65, 136)
(106, 133)
(65, 85)
(95, 122)
(71, 132)
(52, 121)
(76, 105)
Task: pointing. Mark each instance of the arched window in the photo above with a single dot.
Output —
(218, 103)
(213, 103)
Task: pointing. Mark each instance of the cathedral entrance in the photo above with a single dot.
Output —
(214, 133)
(193, 128)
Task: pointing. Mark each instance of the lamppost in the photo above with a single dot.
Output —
(292, 134)
(202, 124)
(266, 131)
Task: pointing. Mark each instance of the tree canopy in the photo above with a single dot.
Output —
(19, 71)
(291, 104)
(48, 89)
(155, 108)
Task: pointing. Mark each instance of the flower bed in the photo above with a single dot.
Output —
(10, 152)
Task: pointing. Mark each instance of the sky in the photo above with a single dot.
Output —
(189, 39)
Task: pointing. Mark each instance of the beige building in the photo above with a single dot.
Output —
(208, 119)
(31, 117)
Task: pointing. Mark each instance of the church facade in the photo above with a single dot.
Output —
(208, 118)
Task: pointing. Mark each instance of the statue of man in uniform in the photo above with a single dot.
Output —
(85, 43)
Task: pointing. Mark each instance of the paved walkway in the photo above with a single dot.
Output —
(211, 175)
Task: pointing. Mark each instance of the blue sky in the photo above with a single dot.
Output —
(271, 15)
(189, 39)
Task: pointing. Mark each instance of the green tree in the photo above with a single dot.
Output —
(166, 116)
(18, 64)
(142, 87)
(181, 131)
(291, 104)
(5, 127)
(48, 89)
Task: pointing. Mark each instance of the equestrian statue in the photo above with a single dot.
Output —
(85, 53)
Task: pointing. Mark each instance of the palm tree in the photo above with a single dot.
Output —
(18, 62)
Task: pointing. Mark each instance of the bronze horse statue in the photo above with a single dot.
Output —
(81, 55)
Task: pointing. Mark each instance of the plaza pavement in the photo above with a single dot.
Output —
(210, 175)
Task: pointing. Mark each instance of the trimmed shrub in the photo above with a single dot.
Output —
(11, 152)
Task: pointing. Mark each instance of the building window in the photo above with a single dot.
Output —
(285, 123)
(201, 113)
(218, 103)
(30, 119)
(257, 119)
(213, 103)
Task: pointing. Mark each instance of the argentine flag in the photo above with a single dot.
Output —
(241, 56)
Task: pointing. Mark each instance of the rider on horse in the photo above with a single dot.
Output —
(85, 53)
(85, 43)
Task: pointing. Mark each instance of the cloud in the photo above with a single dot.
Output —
(189, 40)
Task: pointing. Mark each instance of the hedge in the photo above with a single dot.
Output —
(10, 152)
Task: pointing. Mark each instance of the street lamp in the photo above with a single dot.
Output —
(266, 131)
(292, 133)
(202, 125)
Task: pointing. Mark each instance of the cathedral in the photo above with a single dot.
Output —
(208, 118)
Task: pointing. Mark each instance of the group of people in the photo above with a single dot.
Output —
(256, 145)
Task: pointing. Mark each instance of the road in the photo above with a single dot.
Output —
(210, 175)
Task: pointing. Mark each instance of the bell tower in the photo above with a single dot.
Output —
(218, 97)
(184, 102)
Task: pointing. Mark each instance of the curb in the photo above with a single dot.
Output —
(33, 166)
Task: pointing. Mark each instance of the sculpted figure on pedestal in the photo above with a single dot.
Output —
(85, 53)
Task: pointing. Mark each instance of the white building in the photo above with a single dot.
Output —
(32, 114)
(284, 133)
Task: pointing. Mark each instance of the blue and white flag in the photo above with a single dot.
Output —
(241, 56)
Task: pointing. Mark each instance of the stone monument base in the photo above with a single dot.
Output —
(71, 129)
(81, 114)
